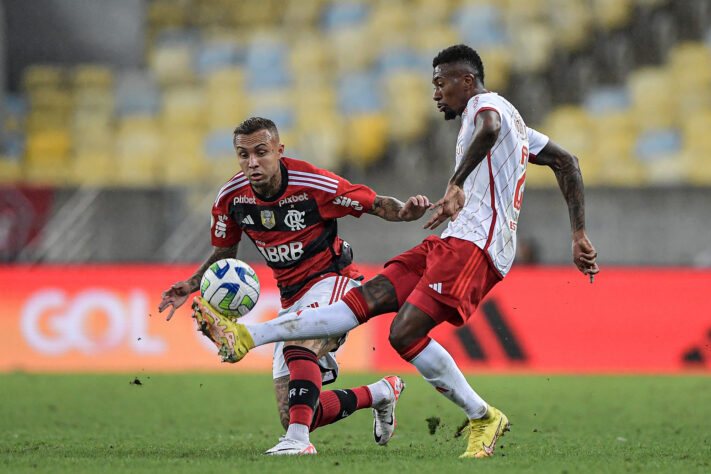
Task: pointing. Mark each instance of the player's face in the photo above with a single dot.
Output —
(451, 91)
(258, 155)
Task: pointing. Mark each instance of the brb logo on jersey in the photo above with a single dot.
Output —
(347, 202)
(282, 253)
(221, 227)
(295, 219)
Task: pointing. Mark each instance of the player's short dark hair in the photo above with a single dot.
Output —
(255, 124)
(460, 53)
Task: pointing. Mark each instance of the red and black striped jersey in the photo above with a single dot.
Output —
(295, 231)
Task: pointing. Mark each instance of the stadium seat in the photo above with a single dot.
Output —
(40, 76)
(651, 101)
(216, 55)
(267, 62)
(366, 138)
(10, 170)
(172, 60)
(481, 24)
(136, 93)
(92, 168)
(406, 110)
(611, 14)
(184, 107)
(182, 161)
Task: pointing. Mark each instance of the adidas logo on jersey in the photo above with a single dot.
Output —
(436, 286)
(248, 220)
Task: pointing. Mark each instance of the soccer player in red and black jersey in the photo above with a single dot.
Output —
(288, 208)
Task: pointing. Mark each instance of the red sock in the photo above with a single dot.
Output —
(409, 352)
(304, 383)
(335, 405)
(356, 302)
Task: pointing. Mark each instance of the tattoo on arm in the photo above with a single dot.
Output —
(281, 389)
(486, 131)
(218, 253)
(380, 295)
(387, 208)
(570, 180)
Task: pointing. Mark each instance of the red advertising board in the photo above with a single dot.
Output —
(104, 318)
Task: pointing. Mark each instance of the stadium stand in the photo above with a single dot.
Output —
(346, 81)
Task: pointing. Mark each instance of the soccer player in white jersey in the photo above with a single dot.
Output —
(444, 278)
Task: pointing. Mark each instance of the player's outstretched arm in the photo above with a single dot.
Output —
(392, 209)
(178, 293)
(570, 180)
(486, 131)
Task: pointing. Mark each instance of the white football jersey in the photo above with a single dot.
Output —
(495, 188)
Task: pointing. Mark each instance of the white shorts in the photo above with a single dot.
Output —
(325, 292)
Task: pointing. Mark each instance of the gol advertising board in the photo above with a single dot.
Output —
(103, 318)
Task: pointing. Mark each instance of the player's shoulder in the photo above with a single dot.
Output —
(235, 184)
(303, 173)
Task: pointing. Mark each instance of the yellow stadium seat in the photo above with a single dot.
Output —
(302, 13)
(184, 107)
(497, 64)
(572, 22)
(652, 103)
(309, 54)
(93, 76)
(39, 76)
(39, 120)
(347, 58)
(532, 47)
(92, 169)
(48, 147)
(172, 64)
(612, 14)
(570, 125)
(10, 170)
(408, 105)
(226, 111)
(137, 151)
(322, 145)
(666, 171)
(366, 138)
(432, 38)
(182, 159)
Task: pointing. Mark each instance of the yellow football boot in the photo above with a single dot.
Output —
(231, 338)
(484, 432)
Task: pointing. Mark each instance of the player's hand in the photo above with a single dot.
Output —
(585, 255)
(414, 208)
(448, 207)
(174, 296)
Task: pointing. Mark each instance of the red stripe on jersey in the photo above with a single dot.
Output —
(493, 203)
(483, 109)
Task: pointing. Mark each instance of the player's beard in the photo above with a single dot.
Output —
(449, 114)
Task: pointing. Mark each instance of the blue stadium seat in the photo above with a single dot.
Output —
(604, 100)
(656, 143)
(136, 94)
(481, 25)
(358, 93)
(267, 64)
(339, 15)
(217, 54)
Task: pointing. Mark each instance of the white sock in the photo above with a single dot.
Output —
(312, 323)
(439, 369)
(380, 391)
(298, 432)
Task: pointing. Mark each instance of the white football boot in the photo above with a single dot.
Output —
(384, 414)
(290, 447)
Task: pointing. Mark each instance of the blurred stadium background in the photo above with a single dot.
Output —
(117, 116)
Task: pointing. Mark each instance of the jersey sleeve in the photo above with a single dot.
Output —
(482, 102)
(537, 141)
(348, 200)
(224, 231)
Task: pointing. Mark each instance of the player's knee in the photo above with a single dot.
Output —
(399, 337)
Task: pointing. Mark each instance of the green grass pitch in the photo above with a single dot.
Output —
(222, 423)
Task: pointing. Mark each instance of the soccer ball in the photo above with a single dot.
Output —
(231, 287)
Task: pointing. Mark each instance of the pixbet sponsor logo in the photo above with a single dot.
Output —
(348, 202)
(293, 199)
(244, 200)
(54, 323)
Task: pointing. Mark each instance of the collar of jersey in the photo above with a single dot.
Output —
(284, 184)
